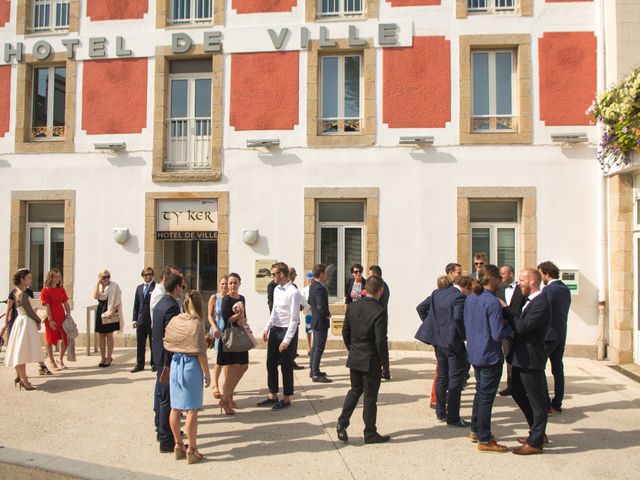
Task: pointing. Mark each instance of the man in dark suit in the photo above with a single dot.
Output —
(365, 334)
(320, 318)
(167, 308)
(142, 318)
(444, 329)
(559, 297)
(528, 358)
(384, 301)
(509, 292)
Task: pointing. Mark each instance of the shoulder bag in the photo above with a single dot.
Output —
(238, 339)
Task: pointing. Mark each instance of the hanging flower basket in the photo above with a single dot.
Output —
(618, 108)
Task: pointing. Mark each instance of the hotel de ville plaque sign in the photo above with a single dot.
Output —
(187, 220)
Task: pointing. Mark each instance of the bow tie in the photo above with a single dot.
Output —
(509, 286)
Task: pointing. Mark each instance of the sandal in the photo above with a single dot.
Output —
(194, 456)
(44, 370)
(180, 451)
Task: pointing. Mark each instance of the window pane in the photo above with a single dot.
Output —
(329, 256)
(179, 92)
(480, 242)
(203, 98)
(36, 257)
(200, 65)
(341, 212)
(352, 87)
(56, 249)
(329, 87)
(181, 9)
(46, 212)
(480, 74)
(493, 211)
(208, 269)
(40, 100)
(507, 246)
(503, 83)
(203, 9)
(59, 90)
(352, 250)
(183, 254)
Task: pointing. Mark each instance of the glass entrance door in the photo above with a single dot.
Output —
(198, 261)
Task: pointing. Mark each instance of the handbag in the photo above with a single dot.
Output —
(70, 327)
(237, 339)
(113, 318)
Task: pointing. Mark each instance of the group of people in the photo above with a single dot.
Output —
(485, 319)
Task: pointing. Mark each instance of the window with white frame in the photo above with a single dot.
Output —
(189, 122)
(493, 91)
(45, 240)
(490, 6)
(340, 94)
(494, 230)
(48, 102)
(50, 15)
(340, 241)
(340, 8)
(191, 11)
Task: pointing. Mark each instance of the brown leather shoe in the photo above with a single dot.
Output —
(523, 440)
(473, 436)
(527, 449)
(492, 447)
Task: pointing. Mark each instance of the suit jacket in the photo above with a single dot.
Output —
(531, 327)
(384, 298)
(365, 334)
(444, 323)
(348, 287)
(517, 299)
(559, 297)
(164, 311)
(319, 303)
(141, 305)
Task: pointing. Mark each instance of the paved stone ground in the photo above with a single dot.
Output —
(95, 423)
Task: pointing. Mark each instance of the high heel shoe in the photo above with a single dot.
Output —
(194, 456)
(226, 408)
(232, 403)
(16, 381)
(180, 452)
(105, 364)
(26, 387)
(44, 370)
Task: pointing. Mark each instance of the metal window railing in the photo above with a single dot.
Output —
(490, 6)
(188, 144)
(50, 15)
(341, 8)
(191, 11)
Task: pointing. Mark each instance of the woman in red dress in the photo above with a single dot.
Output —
(54, 299)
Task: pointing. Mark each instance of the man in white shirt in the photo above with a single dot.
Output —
(279, 332)
(159, 291)
(511, 294)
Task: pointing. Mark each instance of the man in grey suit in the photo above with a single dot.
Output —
(365, 334)
(320, 317)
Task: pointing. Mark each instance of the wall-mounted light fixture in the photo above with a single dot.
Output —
(420, 140)
(120, 235)
(110, 145)
(266, 142)
(568, 137)
(250, 236)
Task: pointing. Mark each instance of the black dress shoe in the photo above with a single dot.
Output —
(460, 423)
(167, 447)
(321, 379)
(377, 438)
(280, 404)
(505, 392)
(268, 402)
(386, 376)
(342, 433)
(297, 367)
(153, 368)
(320, 374)
(137, 368)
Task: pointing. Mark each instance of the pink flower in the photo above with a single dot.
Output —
(364, 293)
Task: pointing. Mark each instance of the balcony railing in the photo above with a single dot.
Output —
(191, 11)
(188, 144)
(494, 123)
(340, 8)
(50, 15)
(491, 6)
(55, 132)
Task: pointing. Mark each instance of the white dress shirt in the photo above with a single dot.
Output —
(508, 291)
(156, 296)
(530, 298)
(286, 310)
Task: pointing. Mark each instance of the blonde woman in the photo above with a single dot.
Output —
(185, 337)
(217, 326)
(54, 298)
(108, 295)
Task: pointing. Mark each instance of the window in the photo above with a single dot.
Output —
(50, 15)
(340, 94)
(340, 8)
(49, 90)
(492, 88)
(341, 241)
(494, 230)
(191, 11)
(45, 240)
(189, 122)
(491, 6)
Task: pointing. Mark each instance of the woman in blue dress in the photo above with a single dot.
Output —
(217, 326)
(185, 337)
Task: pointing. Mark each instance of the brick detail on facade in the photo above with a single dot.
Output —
(264, 91)
(5, 99)
(114, 96)
(567, 77)
(116, 9)
(417, 84)
(5, 12)
(413, 3)
(263, 6)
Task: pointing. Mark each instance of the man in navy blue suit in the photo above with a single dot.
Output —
(320, 318)
(167, 308)
(559, 297)
(142, 318)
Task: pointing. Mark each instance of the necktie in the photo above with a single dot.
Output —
(146, 289)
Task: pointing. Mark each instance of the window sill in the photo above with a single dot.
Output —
(46, 33)
(186, 176)
(494, 137)
(341, 140)
(357, 18)
(45, 146)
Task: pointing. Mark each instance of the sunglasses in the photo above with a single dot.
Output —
(106, 277)
(478, 264)
(357, 271)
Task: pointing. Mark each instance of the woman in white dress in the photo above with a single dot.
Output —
(24, 343)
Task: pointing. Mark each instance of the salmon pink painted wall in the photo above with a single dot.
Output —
(114, 96)
(416, 84)
(116, 9)
(264, 91)
(5, 98)
(5, 12)
(412, 3)
(567, 76)
(261, 6)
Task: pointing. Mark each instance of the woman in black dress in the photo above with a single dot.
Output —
(235, 364)
(108, 295)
